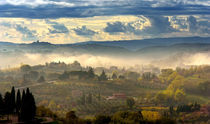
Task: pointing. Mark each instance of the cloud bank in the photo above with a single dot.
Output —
(90, 8)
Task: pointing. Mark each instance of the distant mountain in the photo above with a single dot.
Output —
(138, 44)
(159, 47)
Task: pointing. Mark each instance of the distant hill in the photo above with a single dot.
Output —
(138, 44)
(158, 47)
(6, 43)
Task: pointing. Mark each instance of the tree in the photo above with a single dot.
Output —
(204, 87)
(23, 95)
(1, 105)
(133, 75)
(180, 95)
(102, 119)
(28, 108)
(7, 103)
(41, 79)
(64, 76)
(91, 73)
(171, 110)
(34, 75)
(13, 100)
(18, 101)
(25, 68)
(121, 77)
(114, 76)
(126, 117)
(130, 102)
(71, 117)
(103, 76)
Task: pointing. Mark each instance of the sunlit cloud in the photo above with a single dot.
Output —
(102, 28)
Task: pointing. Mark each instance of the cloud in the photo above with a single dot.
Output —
(70, 3)
(159, 25)
(84, 31)
(198, 26)
(90, 8)
(34, 3)
(57, 27)
(28, 35)
(6, 24)
(119, 27)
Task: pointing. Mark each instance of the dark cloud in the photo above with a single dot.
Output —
(28, 35)
(132, 8)
(119, 27)
(57, 27)
(198, 26)
(84, 31)
(159, 25)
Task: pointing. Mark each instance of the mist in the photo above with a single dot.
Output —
(202, 58)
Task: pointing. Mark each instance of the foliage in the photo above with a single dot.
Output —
(25, 108)
(130, 102)
(103, 76)
(25, 68)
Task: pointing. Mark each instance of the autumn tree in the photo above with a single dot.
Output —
(130, 102)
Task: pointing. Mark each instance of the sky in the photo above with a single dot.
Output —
(73, 21)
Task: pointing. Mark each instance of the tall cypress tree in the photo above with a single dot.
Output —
(7, 103)
(18, 102)
(23, 95)
(1, 105)
(91, 73)
(13, 100)
(103, 76)
(28, 107)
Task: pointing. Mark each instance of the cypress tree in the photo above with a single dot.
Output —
(28, 108)
(91, 73)
(1, 105)
(13, 100)
(23, 95)
(18, 101)
(103, 76)
(7, 103)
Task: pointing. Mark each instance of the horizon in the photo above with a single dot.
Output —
(39, 41)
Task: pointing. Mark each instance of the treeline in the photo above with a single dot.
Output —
(83, 75)
(188, 108)
(121, 117)
(18, 104)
